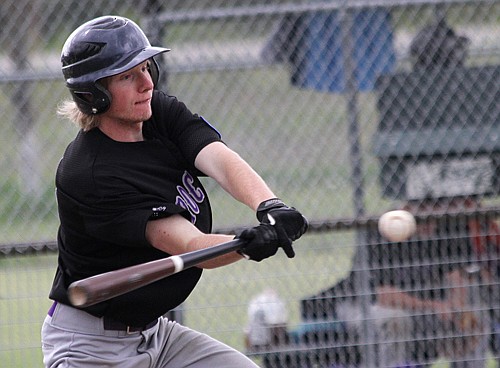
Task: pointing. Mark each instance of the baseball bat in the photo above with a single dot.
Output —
(98, 288)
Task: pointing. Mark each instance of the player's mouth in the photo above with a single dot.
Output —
(144, 102)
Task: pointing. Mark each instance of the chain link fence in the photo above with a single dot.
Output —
(347, 109)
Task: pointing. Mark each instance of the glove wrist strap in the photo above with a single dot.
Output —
(267, 205)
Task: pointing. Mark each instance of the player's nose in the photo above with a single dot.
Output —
(146, 82)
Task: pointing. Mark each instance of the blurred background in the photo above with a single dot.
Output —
(348, 109)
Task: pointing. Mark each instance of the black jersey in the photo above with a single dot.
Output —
(106, 193)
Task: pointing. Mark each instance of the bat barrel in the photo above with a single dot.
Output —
(96, 289)
(78, 295)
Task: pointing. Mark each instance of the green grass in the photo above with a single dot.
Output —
(24, 286)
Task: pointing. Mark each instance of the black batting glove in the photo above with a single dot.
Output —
(290, 224)
(262, 242)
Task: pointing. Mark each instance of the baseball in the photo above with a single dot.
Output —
(396, 226)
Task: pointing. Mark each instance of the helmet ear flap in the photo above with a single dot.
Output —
(154, 70)
(92, 101)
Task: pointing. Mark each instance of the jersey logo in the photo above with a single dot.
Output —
(189, 196)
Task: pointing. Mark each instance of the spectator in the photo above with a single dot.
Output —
(424, 290)
(429, 296)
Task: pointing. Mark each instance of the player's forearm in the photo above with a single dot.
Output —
(175, 235)
(245, 185)
(233, 174)
(208, 240)
(392, 297)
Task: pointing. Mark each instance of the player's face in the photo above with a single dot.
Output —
(131, 93)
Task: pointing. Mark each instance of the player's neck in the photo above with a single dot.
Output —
(121, 131)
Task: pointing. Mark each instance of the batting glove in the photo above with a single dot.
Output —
(290, 224)
(262, 242)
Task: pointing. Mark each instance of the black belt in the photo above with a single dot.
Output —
(112, 325)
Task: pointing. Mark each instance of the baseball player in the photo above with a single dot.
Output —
(128, 192)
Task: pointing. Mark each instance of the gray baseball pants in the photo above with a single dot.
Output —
(76, 339)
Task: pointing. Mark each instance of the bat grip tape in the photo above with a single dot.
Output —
(178, 263)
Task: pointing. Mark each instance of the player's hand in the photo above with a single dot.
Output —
(290, 224)
(262, 242)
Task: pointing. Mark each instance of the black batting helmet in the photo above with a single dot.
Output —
(100, 48)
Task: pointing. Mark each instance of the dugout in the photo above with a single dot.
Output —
(439, 124)
(438, 133)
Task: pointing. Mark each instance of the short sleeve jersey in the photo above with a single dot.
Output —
(107, 191)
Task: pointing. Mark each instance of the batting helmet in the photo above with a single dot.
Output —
(100, 48)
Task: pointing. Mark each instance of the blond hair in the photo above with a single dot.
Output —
(70, 110)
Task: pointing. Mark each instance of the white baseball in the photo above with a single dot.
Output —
(398, 225)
